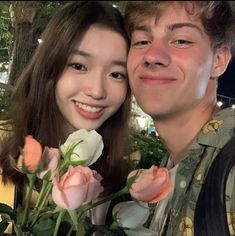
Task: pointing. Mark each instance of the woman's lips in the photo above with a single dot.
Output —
(88, 108)
(89, 111)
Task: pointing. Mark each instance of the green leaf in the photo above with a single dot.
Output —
(18, 230)
(131, 180)
(24, 168)
(77, 163)
(81, 226)
(19, 214)
(47, 176)
(107, 230)
(5, 209)
(69, 151)
(73, 217)
(3, 226)
(152, 151)
(44, 227)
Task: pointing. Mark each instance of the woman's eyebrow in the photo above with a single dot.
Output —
(88, 55)
(80, 52)
(119, 63)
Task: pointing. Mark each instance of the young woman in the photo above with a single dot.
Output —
(76, 79)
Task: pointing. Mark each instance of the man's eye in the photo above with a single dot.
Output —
(182, 42)
(77, 66)
(140, 43)
(118, 75)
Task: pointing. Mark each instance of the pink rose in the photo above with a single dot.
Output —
(31, 155)
(151, 185)
(50, 161)
(77, 186)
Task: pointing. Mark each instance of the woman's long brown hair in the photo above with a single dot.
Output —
(33, 108)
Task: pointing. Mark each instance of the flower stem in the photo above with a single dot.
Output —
(43, 201)
(103, 200)
(42, 193)
(58, 221)
(70, 231)
(31, 178)
(63, 166)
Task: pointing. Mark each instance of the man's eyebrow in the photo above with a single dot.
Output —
(184, 24)
(144, 28)
(170, 27)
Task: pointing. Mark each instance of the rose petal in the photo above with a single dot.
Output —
(151, 185)
(89, 146)
(131, 214)
(32, 153)
(77, 186)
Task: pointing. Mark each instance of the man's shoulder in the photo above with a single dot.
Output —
(219, 129)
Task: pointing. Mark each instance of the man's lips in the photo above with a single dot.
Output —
(156, 79)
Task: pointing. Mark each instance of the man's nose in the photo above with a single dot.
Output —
(157, 55)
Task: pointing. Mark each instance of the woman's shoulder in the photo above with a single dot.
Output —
(7, 196)
(7, 191)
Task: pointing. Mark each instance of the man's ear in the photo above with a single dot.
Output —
(222, 58)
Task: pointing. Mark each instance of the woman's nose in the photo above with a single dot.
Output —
(96, 88)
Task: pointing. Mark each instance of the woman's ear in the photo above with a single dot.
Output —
(222, 58)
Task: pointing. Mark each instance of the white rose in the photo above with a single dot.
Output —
(89, 146)
(140, 231)
(131, 214)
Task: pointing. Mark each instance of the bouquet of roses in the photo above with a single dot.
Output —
(69, 189)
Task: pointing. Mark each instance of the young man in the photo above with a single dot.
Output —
(178, 51)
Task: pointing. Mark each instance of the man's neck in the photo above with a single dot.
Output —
(179, 132)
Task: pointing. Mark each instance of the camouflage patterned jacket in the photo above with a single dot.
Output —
(192, 170)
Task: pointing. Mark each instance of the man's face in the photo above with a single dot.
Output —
(170, 64)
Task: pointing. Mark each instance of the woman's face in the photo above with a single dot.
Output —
(94, 83)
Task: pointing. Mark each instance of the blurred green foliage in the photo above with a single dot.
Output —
(4, 102)
(6, 38)
(152, 150)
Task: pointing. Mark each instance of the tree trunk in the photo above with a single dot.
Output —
(27, 25)
(24, 15)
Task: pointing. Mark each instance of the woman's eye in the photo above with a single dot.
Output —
(77, 66)
(118, 75)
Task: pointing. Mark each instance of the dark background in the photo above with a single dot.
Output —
(226, 82)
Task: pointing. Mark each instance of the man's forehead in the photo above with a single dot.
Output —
(173, 18)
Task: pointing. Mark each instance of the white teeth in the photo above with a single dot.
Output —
(88, 108)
